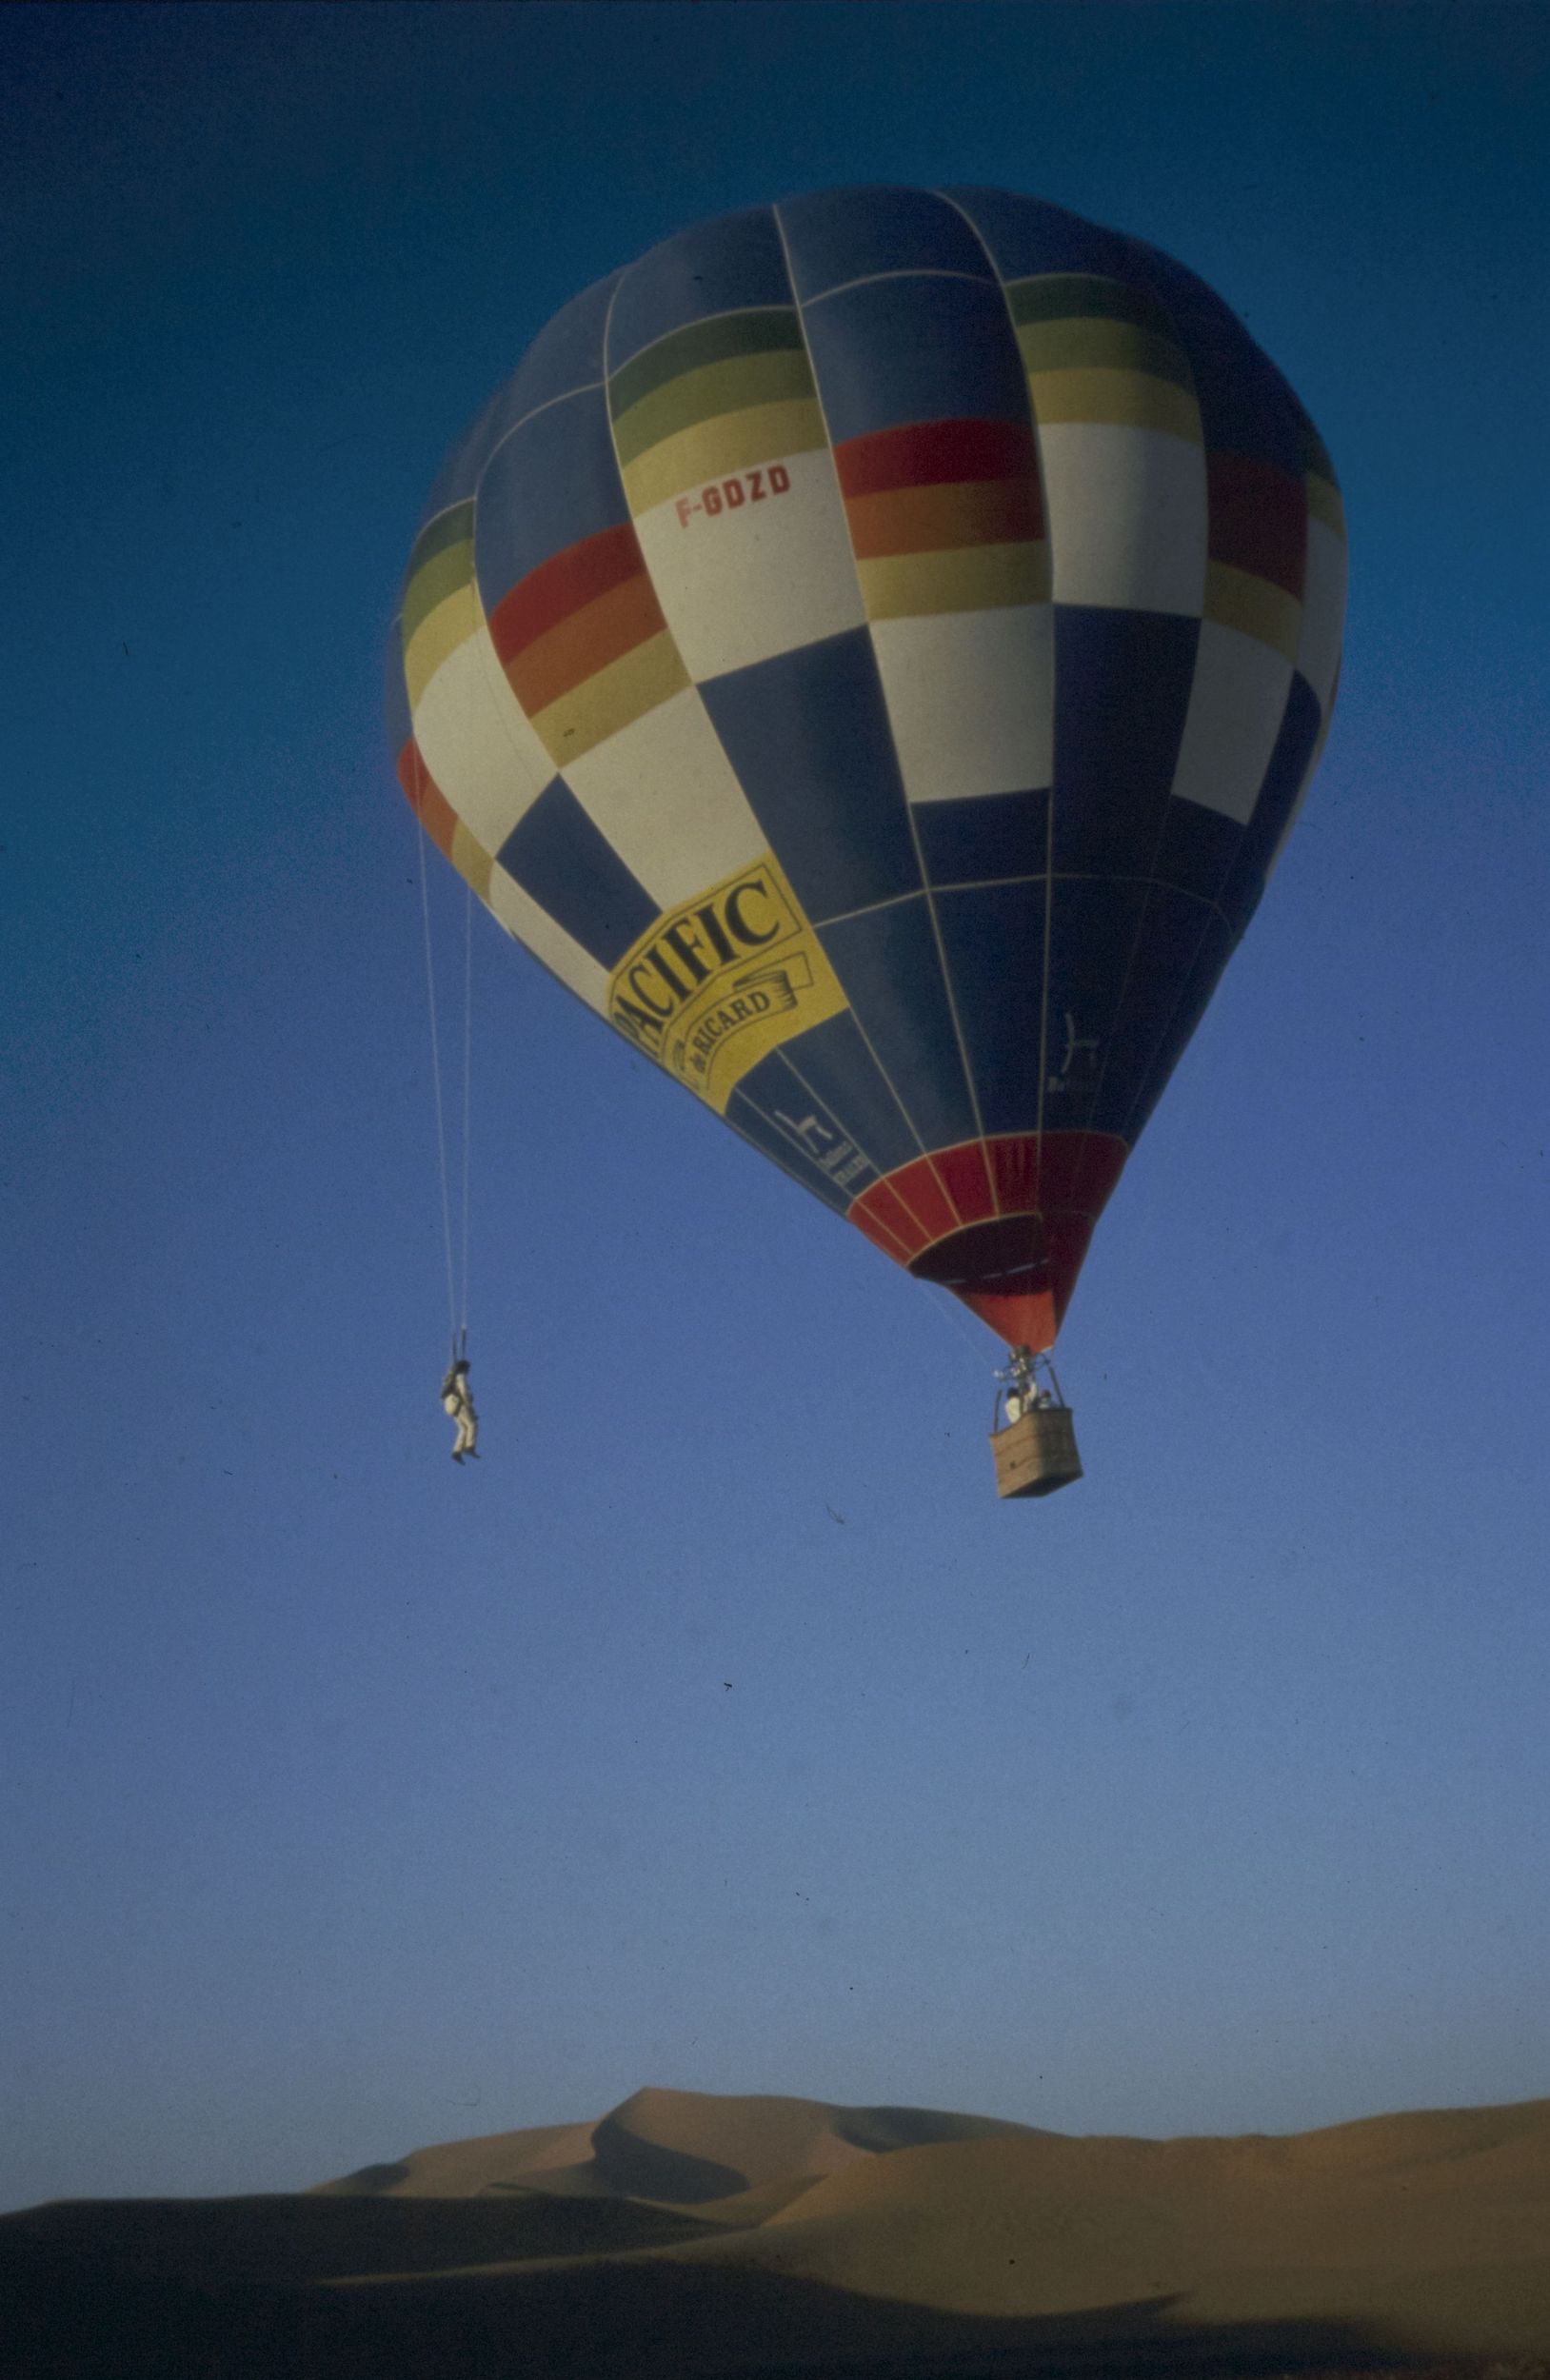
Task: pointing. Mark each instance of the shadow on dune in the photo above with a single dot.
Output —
(881, 2130)
(367, 2181)
(240, 2289)
(624, 2165)
(664, 2321)
(279, 2241)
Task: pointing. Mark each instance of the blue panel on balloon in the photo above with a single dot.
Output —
(568, 352)
(984, 840)
(1026, 236)
(920, 348)
(1122, 682)
(994, 943)
(837, 236)
(834, 1063)
(770, 1108)
(1284, 780)
(1246, 406)
(1214, 948)
(1093, 929)
(1171, 933)
(564, 864)
(716, 267)
(807, 735)
(553, 483)
(458, 475)
(1196, 849)
(889, 964)
(567, 355)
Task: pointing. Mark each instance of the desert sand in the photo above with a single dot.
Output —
(686, 2233)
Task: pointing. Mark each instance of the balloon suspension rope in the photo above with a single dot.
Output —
(441, 1114)
(468, 1095)
(944, 1303)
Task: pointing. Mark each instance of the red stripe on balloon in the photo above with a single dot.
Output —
(1024, 1318)
(1259, 519)
(1014, 1165)
(930, 454)
(966, 1179)
(563, 584)
(922, 1193)
(427, 800)
(885, 1218)
(1015, 1269)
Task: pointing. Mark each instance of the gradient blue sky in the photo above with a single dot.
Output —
(354, 1801)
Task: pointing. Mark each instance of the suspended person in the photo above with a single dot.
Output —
(457, 1402)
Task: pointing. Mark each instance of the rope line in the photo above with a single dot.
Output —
(441, 1110)
(943, 1302)
(468, 1089)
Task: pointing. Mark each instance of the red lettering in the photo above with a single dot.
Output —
(729, 495)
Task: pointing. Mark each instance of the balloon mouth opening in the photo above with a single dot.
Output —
(1008, 1274)
(1008, 1257)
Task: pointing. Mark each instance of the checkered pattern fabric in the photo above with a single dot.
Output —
(872, 652)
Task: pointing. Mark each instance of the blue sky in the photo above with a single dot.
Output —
(354, 1801)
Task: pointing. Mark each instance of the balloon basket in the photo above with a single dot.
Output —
(1036, 1453)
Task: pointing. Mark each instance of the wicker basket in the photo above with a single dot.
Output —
(1037, 1453)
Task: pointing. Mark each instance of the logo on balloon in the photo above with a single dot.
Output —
(722, 980)
(1083, 1045)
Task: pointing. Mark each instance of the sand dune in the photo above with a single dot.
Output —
(689, 2233)
(691, 2146)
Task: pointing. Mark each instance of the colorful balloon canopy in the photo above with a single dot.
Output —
(872, 651)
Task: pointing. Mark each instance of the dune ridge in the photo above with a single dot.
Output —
(696, 2234)
(675, 2147)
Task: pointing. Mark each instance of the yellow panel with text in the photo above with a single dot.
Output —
(723, 980)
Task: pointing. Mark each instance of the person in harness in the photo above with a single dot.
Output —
(457, 1402)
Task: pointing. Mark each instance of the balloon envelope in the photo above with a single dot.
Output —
(872, 651)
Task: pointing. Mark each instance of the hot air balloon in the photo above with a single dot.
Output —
(872, 651)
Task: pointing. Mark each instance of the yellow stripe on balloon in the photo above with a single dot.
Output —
(733, 442)
(975, 577)
(1236, 599)
(446, 571)
(613, 699)
(1130, 400)
(471, 861)
(736, 384)
(438, 636)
